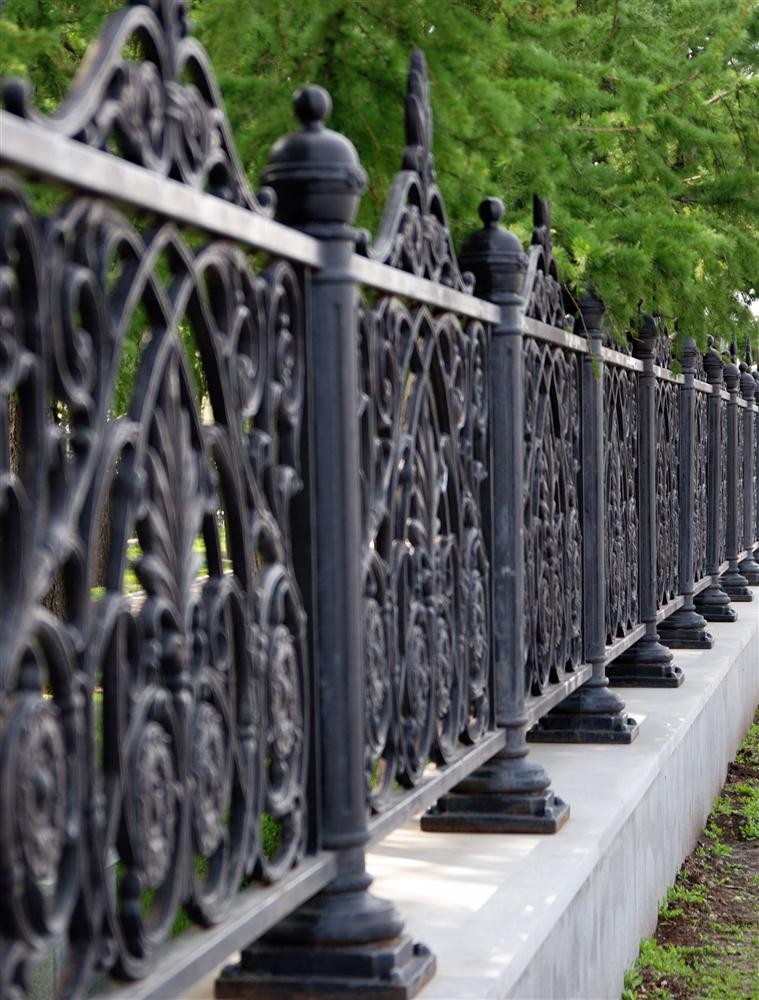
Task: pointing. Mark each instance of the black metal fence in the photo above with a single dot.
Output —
(300, 535)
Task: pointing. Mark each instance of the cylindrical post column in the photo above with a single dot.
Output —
(510, 793)
(748, 567)
(732, 580)
(593, 713)
(686, 628)
(648, 663)
(713, 603)
(345, 941)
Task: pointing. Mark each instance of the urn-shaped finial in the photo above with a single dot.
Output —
(316, 172)
(713, 365)
(590, 318)
(689, 355)
(644, 340)
(493, 254)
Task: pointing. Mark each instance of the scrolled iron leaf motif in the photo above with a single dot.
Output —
(423, 413)
(663, 356)
(722, 509)
(162, 111)
(553, 540)
(739, 483)
(150, 730)
(667, 406)
(700, 486)
(414, 234)
(621, 509)
(544, 298)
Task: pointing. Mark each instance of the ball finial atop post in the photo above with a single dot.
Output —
(315, 172)
(494, 255)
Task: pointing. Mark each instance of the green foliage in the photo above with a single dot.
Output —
(637, 117)
(748, 793)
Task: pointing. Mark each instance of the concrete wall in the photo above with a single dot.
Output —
(562, 916)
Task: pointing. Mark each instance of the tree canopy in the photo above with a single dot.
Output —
(638, 118)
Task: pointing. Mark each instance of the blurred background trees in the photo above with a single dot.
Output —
(638, 118)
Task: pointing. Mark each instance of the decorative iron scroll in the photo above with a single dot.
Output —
(663, 350)
(667, 491)
(162, 110)
(756, 464)
(610, 341)
(701, 446)
(739, 522)
(424, 419)
(722, 532)
(542, 292)
(142, 738)
(553, 537)
(621, 512)
(414, 234)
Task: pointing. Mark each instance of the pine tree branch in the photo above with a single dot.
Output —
(586, 128)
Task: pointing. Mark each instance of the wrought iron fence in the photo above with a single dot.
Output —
(300, 535)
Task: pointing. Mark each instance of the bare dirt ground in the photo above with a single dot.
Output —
(706, 944)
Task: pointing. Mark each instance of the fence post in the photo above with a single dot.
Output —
(648, 663)
(749, 567)
(593, 713)
(713, 603)
(686, 628)
(343, 942)
(508, 794)
(732, 580)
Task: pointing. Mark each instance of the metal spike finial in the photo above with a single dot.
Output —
(541, 223)
(417, 155)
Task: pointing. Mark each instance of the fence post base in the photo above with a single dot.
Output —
(591, 714)
(507, 795)
(735, 585)
(646, 664)
(749, 569)
(685, 629)
(343, 943)
(714, 604)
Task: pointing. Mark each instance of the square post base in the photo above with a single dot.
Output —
(646, 664)
(749, 568)
(591, 714)
(458, 813)
(511, 793)
(685, 629)
(735, 586)
(389, 970)
(714, 604)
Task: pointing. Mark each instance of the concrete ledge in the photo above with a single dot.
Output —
(562, 916)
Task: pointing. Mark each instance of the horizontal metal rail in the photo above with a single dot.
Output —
(434, 783)
(30, 147)
(197, 952)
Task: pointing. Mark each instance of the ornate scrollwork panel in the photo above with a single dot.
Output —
(423, 419)
(544, 299)
(667, 491)
(147, 93)
(663, 350)
(553, 534)
(701, 445)
(722, 534)
(756, 474)
(153, 668)
(621, 513)
(414, 234)
(739, 483)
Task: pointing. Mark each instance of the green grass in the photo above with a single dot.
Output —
(707, 942)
